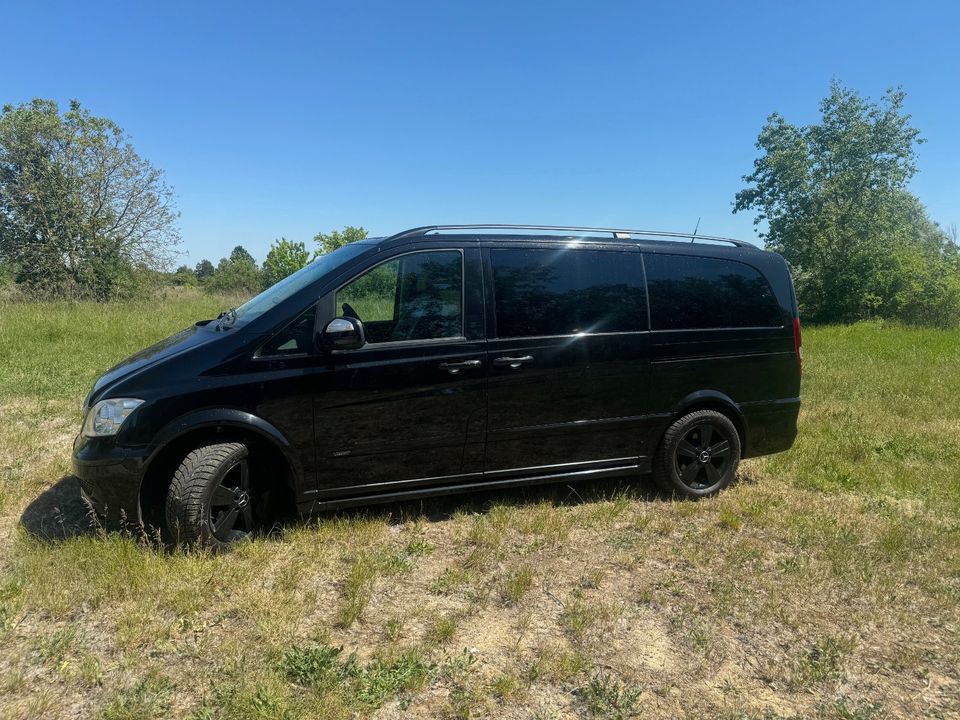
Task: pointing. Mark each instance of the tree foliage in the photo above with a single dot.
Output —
(834, 197)
(285, 258)
(204, 269)
(329, 242)
(237, 274)
(184, 277)
(79, 208)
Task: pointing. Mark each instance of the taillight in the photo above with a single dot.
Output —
(797, 343)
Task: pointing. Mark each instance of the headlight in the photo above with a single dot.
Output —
(106, 417)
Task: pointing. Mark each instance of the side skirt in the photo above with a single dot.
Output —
(440, 490)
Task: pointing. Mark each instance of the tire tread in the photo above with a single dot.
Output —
(186, 504)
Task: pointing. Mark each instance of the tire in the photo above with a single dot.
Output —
(698, 455)
(210, 500)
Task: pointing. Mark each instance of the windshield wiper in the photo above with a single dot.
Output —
(226, 319)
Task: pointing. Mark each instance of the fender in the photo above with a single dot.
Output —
(714, 397)
(225, 417)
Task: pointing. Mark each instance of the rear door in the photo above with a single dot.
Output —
(567, 356)
(408, 408)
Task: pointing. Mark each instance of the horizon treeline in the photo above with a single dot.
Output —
(84, 216)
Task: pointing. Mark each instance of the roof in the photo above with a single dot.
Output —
(546, 232)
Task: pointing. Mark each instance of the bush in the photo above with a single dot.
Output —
(184, 277)
(8, 283)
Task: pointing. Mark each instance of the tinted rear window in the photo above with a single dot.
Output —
(697, 292)
(566, 291)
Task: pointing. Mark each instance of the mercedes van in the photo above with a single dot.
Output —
(447, 359)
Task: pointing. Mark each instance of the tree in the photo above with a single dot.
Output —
(337, 238)
(204, 269)
(285, 258)
(79, 208)
(834, 197)
(184, 276)
(241, 255)
(238, 273)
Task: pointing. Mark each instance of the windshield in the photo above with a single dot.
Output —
(275, 294)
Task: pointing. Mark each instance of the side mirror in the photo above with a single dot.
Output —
(343, 333)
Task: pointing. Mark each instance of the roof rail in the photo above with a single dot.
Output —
(617, 233)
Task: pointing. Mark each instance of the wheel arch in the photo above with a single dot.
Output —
(176, 439)
(713, 400)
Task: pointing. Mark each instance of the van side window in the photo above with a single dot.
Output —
(295, 338)
(566, 292)
(413, 297)
(689, 292)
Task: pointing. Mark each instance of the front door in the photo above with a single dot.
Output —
(567, 358)
(409, 407)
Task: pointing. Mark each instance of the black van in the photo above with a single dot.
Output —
(452, 358)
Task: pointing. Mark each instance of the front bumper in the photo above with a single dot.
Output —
(110, 477)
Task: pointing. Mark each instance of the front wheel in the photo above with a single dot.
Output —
(699, 454)
(210, 501)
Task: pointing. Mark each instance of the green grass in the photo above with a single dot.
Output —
(55, 350)
(606, 697)
(516, 584)
(881, 414)
(323, 670)
(145, 700)
(824, 584)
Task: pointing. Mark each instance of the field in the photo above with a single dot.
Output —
(825, 583)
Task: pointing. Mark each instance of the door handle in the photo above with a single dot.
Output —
(455, 367)
(513, 362)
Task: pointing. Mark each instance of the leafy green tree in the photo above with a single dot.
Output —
(238, 273)
(184, 276)
(241, 255)
(80, 210)
(204, 269)
(329, 242)
(834, 197)
(285, 258)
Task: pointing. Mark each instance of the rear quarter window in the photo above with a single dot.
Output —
(549, 292)
(689, 292)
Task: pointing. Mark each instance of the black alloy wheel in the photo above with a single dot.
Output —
(231, 504)
(702, 457)
(698, 455)
(212, 500)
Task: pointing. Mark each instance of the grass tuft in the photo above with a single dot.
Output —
(516, 584)
(607, 697)
(823, 662)
(441, 630)
(146, 699)
(323, 670)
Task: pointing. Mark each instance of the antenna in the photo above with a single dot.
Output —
(694, 236)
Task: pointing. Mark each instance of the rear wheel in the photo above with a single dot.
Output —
(699, 454)
(211, 500)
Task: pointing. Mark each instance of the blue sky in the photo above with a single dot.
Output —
(287, 118)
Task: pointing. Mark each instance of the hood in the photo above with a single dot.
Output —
(176, 344)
